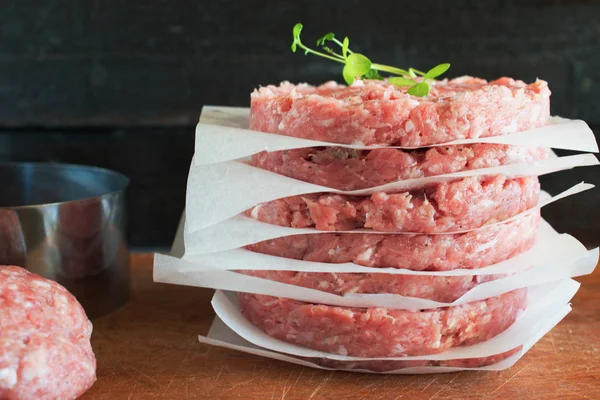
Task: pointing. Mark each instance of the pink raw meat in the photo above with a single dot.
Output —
(465, 204)
(474, 249)
(45, 350)
(376, 112)
(348, 169)
(438, 288)
(381, 332)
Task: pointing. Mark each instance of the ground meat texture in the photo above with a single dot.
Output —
(387, 366)
(380, 332)
(45, 350)
(373, 112)
(473, 249)
(348, 169)
(437, 288)
(468, 203)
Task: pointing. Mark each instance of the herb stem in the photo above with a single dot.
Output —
(318, 53)
(333, 53)
(341, 45)
(389, 69)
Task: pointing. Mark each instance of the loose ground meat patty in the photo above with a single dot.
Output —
(380, 332)
(374, 112)
(468, 203)
(347, 169)
(45, 350)
(474, 249)
(438, 288)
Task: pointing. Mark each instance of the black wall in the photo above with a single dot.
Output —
(120, 83)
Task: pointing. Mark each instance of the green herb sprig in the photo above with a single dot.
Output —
(357, 65)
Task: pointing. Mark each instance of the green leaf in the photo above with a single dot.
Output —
(373, 74)
(297, 29)
(357, 64)
(296, 36)
(348, 76)
(345, 45)
(399, 81)
(329, 36)
(437, 71)
(412, 72)
(419, 90)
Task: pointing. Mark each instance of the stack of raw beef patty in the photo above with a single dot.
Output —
(447, 223)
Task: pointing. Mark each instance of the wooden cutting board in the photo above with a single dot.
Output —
(148, 350)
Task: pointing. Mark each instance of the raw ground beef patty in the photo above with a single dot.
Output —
(380, 332)
(438, 288)
(348, 169)
(374, 112)
(473, 249)
(468, 203)
(45, 350)
(386, 366)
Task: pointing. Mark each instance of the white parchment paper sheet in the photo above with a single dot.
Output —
(242, 230)
(217, 192)
(220, 335)
(179, 272)
(554, 257)
(550, 247)
(223, 135)
(546, 302)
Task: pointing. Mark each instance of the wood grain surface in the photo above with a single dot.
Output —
(148, 350)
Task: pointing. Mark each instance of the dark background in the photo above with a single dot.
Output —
(120, 83)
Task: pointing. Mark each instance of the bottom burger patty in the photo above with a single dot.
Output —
(380, 332)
